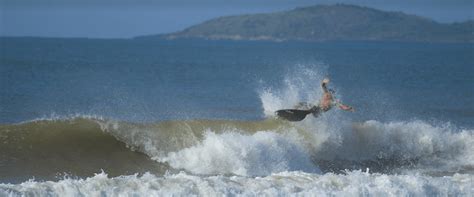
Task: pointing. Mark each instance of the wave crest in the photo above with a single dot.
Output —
(249, 148)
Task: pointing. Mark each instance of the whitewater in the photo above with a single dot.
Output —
(325, 156)
(272, 158)
(86, 117)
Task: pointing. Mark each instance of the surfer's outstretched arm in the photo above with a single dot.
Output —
(344, 107)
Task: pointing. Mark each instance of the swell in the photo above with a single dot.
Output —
(267, 146)
(158, 139)
(51, 149)
(46, 149)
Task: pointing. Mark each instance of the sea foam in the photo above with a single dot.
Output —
(278, 184)
(262, 153)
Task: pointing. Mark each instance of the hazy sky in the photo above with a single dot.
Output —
(128, 18)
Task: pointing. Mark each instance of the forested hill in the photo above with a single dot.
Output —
(328, 22)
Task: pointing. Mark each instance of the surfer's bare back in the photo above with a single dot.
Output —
(325, 104)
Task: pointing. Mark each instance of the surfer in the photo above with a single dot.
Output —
(325, 104)
(327, 101)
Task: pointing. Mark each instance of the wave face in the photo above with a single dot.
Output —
(51, 149)
(244, 148)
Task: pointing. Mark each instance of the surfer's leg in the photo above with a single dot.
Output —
(316, 111)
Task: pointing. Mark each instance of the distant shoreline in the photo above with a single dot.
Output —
(338, 22)
(222, 40)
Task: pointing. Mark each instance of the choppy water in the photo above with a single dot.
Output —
(95, 117)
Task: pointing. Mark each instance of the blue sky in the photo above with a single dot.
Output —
(128, 18)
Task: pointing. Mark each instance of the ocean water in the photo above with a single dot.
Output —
(92, 117)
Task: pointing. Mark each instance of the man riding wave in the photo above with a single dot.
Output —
(326, 102)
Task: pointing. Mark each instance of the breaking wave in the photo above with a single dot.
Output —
(321, 155)
(245, 148)
(277, 184)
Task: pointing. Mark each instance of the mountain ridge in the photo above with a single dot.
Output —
(337, 22)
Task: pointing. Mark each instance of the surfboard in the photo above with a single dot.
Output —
(293, 114)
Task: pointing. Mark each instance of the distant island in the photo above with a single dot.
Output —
(327, 23)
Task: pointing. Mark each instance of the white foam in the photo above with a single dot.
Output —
(441, 147)
(355, 183)
(262, 153)
(302, 84)
(333, 136)
(233, 151)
